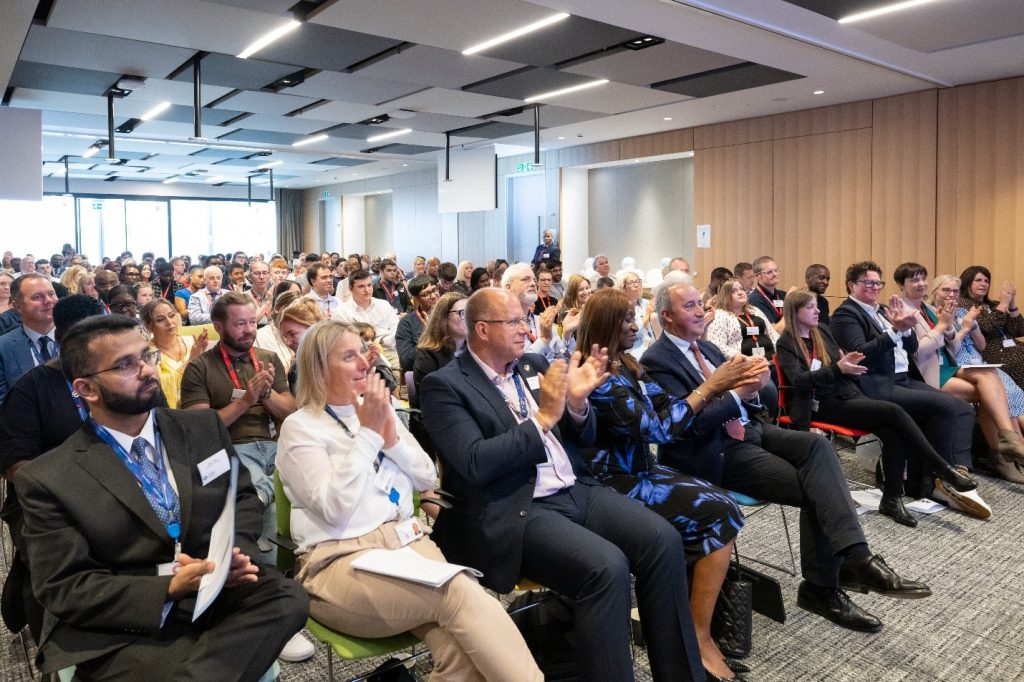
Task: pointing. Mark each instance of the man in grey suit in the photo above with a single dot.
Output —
(117, 518)
(32, 343)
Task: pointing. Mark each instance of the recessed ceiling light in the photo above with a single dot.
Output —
(310, 140)
(173, 178)
(215, 179)
(386, 136)
(819, 92)
(561, 137)
(879, 11)
(512, 35)
(268, 38)
(156, 111)
(91, 151)
(565, 91)
(405, 165)
(667, 118)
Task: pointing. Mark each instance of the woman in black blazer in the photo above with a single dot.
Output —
(818, 372)
(443, 336)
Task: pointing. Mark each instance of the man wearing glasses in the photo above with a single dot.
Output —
(509, 440)
(425, 293)
(766, 296)
(126, 506)
(885, 335)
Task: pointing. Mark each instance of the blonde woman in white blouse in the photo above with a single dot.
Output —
(350, 469)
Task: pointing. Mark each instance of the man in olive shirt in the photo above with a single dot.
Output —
(249, 389)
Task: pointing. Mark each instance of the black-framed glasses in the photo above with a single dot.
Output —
(871, 283)
(131, 365)
(124, 305)
(511, 324)
(462, 314)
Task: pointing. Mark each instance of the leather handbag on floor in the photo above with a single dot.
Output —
(732, 623)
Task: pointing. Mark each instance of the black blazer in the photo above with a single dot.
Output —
(804, 384)
(489, 462)
(94, 541)
(699, 450)
(853, 330)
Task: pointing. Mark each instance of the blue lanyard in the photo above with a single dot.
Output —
(79, 405)
(393, 494)
(523, 410)
(165, 496)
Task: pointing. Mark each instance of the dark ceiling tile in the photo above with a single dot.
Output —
(833, 9)
(61, 78)
(217, 153)
(492, 130)
(356, 131)
(232, 72)
(729, 79)
(182, 114)
(262, 137)
(339, 161)
(323, 47)
(568, 39)
(526, 83)
(402, 149)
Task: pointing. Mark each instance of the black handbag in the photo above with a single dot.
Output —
(732, 623)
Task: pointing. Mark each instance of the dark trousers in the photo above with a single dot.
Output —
(799, 469)
(946, 420)
(584, 542)
(902, 439)
(238, 638)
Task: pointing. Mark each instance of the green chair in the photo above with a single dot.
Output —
(345, 646)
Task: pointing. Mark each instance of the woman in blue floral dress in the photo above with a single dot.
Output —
(633, 413)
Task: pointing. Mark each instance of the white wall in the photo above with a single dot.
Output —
(353, 225)
(642, 210)
(21, 154)
(379, 224)
(574, 237)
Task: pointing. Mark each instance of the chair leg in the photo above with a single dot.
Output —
(330, 663)
(789, 541)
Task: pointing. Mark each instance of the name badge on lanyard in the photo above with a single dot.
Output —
(753, 331)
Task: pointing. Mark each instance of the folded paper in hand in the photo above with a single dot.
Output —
(408, 565)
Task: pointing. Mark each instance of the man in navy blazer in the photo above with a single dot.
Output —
(509, 443)
(887, 340)
(32, 343)
(788, 467)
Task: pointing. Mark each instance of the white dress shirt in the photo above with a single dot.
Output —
(684, 346)
(902, 359)
(329, 306)
(379, 314)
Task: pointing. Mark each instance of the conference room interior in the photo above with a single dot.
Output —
(715, 130)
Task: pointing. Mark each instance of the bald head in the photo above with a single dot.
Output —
(496, 326)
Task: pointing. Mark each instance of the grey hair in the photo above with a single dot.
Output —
(662, 300)
(513, 271)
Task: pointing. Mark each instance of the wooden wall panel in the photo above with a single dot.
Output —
(669, 142)
(734, 132)
(903, 172)
(733, 193)
(822, 120)
(945, 184)
(822, 203)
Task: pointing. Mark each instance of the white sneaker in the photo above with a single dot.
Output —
(297, 649)
(969, 502)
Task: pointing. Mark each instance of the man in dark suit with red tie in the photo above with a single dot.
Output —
(728, 446)
(118, 518)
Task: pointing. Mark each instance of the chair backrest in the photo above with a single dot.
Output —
(782, 383)
(283, 508)
(410, 386)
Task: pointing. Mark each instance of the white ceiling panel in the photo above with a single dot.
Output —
(183, 23)
(453, 103)
(264, 102)
(653, 64)
(616, 98)
(434, 123)
(434, 66)
(441, 23)
(342, 112)
(348, 88)
(175, 92)
(102, 53)
(71, 121)
(283, 124)
(178, 130)
(49, 100)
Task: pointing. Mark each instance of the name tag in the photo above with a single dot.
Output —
(237, 393)
(384, 481)
(757, 352)
(408, 530)
(534, 382)
(166, 569)
(815, 405)
(778, 302)
(1008, 343)
(753, 331)
(213, 466)
(815, 364)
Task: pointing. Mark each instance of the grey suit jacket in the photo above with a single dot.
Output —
(94, 542)
(15, 359)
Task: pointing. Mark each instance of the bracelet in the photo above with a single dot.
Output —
(702, 397)
(1012, 310)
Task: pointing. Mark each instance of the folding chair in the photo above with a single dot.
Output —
(760, 505)
(830, 430)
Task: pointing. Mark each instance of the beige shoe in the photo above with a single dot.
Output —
(969, 502)
(1011, 445)
(1007, 470)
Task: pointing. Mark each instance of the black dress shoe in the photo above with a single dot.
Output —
(874, 575)
(836, 606)
(736, 666)
(958, 480)
(894, 508)
(711, 677)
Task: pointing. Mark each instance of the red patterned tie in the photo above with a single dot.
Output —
(733, 427)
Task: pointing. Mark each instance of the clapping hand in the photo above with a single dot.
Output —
(553, 389)
(900, 316)
(584, 377)
(736, 372)
(546, 321)
(849, 363)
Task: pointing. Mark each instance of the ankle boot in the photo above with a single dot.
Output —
(957, 477)
(1011, 445)
(1005, 468)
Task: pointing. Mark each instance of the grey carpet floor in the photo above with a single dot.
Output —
(972, 628)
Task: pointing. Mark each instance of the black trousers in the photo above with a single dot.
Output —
(799, 469)
(584, 542)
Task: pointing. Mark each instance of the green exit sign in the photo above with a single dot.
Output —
(326, 194)
(97, 205)
(525, 168)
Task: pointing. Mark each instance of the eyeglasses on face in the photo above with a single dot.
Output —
(124, 305)
(460, 313)
(871, 283)
(131, 365)
(511, 324)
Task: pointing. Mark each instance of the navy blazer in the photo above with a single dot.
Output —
(699, 450)
(15, 359)
(759, 301)
(853, 330)
(489, 462)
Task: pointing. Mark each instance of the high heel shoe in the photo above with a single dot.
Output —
(1011, 445)
(1004, 468)
(737, 666)
(958, 480)
(894, 508)
(711, 677)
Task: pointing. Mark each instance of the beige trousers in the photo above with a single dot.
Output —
(469, 635)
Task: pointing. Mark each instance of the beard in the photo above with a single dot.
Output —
(529, 297)
(241, 343)
(122, 403)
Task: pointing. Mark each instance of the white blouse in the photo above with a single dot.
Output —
(330, 477)
(726, 333)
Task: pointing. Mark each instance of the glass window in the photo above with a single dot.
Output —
(203, 227)
(146, 227)
(38, 227)
(102, 227)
